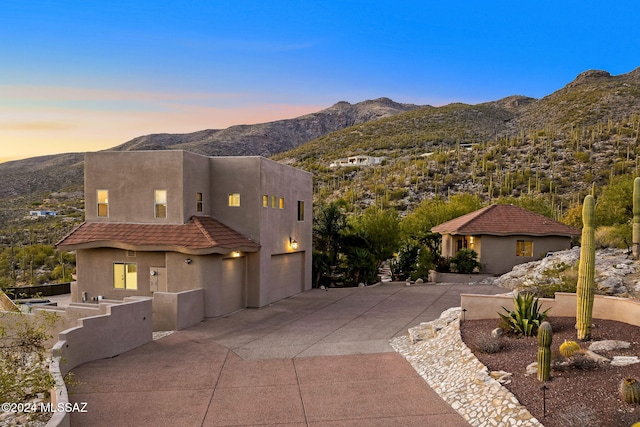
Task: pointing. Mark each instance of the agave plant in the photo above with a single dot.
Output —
(526, 317)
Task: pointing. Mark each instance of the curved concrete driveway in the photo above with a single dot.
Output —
(320, 358)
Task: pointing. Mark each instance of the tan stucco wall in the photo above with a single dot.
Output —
(95, 272)
(131, 177)
(564, 305)
(497, 254)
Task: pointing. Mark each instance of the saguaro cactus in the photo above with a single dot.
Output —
(635, 248)
(586, 272)
(545, 336)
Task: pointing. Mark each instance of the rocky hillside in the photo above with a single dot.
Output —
(267, 139)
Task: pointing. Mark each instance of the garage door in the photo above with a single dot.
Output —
(286, 277)
(232, 285)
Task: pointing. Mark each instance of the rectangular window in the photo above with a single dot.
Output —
(524, 248)
(234, 199)
(273, 201)
(281, 202)
(198, 202)
(300, 210)
(103, 202)
(265, 201)
(161, 203)
(125, 275)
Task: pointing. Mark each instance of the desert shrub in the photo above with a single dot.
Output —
(582, 362)
(489, 344)
(613, 236)
(579, 415)
(560, 278)
(525, 318)
(23, 357)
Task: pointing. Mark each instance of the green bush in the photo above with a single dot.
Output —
(613, 236)
(525, 318)
(465, 262)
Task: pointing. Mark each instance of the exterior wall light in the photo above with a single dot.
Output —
(188, 260)
(293, 243)
(235, 254)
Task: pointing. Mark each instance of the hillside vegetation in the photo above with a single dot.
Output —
(554, 150)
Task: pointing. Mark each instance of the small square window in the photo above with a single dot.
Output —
(234, 199)
(524, 248)
(281, 202)
(198, 202)
(265, 201)
(300, 210)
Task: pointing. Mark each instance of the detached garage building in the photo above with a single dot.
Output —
(238, 228)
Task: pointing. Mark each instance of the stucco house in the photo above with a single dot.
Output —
(504, 236)
(239, 228)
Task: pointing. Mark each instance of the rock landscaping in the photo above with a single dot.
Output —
(494, 389)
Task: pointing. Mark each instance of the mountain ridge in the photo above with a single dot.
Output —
(559, 129)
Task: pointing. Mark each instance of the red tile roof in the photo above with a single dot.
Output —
(504, 220)
(200, 235)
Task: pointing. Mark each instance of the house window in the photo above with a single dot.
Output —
(125, 275)
(234, 199)
(524, 248)
(198, 202)
(265, 201)
(161, 203)
(103, 202)
(461, 243)
(300, 210)
(273, 201)
(281, 202)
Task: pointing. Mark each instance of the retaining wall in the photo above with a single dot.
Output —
(123, 327)
(564, 305)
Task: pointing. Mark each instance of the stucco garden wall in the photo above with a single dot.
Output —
(175, 311)
(564, 305)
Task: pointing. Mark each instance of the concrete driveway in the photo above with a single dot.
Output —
(320, 358)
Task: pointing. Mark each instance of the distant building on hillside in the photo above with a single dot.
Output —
(42, 213)
(356, 161)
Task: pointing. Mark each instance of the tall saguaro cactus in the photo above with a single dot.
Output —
(586, 272)
(635, 248)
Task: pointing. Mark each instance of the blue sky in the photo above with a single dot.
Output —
(83, 75)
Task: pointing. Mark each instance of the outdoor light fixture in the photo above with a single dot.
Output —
(235, 254)
(188, 260)
(293, 243)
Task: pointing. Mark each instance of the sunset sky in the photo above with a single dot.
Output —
(85, 75)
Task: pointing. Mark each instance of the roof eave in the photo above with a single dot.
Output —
(222, 250)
